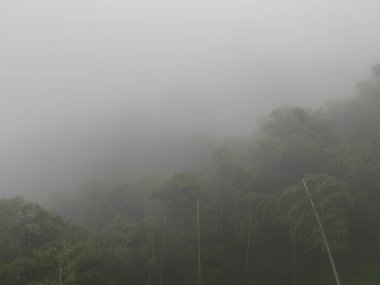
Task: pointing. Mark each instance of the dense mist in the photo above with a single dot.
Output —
(113, 90)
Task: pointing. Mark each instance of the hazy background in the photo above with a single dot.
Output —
(112, 89)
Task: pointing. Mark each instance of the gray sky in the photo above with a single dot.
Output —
(74, 74)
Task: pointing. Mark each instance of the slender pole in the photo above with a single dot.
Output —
(60, 275)
(295, 261)
(152, 255)
(236, 253)
(323, 233)
(199, 248)
(247, 248)
(68, 262)
(162, 251)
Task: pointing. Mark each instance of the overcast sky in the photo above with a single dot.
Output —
(84, 69)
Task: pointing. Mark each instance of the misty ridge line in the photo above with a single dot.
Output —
(110, 89)
(113, 151)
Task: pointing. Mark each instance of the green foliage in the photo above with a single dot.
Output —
(332, 200)
(28, 236)
(294, 142)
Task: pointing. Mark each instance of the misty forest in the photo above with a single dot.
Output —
(213, 143)
(245, 219)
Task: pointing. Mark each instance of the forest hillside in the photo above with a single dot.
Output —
(245, 220)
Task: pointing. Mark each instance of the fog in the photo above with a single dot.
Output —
(117, 89)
